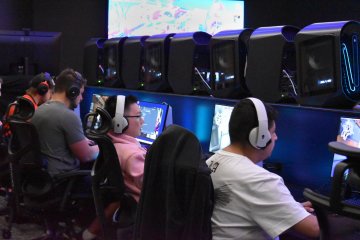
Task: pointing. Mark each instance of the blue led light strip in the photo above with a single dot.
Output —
(355, 68)
(349, 79)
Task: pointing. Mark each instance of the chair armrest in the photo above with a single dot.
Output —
(72, 174)
(343, 149)
(316, 198)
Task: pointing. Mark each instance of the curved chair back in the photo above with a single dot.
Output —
(176, 198)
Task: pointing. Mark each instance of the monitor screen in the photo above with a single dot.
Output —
(223, 58)
(96, 101)
(155, 116)
(317, 66)
(349, 133)
(220, 128)
(149, 17)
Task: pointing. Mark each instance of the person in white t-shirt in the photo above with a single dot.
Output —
(251, 202)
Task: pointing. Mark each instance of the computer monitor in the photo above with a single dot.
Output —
(349, 133)
(29, 52)
(220, 128)
(97, 100)
(156, 117)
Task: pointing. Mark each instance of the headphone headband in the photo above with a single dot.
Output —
(260, 136)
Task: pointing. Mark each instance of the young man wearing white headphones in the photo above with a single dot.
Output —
(251, 202)
(127, 123)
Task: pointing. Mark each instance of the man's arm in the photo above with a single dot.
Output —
(309, 226)
(83, 151)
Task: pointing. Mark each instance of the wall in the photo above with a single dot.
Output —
(259, 13)
(78, 20)
(15, 14)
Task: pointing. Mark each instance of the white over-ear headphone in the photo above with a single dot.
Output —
(260, 136)
(120, 123)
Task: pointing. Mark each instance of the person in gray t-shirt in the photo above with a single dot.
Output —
(63, 143)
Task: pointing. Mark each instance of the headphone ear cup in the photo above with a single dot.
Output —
(253, 135)
(120, 124)
(42, 88)
(73, 92)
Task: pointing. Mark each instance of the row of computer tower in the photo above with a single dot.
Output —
(316, 66)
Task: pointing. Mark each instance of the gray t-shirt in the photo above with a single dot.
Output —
(58, 128)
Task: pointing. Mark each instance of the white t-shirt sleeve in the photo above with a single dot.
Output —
(272, 206)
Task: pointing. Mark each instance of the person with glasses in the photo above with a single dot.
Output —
(130, 153)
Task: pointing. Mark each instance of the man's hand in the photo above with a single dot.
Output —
(308, 206)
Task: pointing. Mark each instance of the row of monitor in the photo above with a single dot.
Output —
(157, 116)
(316, 66)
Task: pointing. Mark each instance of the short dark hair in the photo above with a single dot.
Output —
(67, 78)
(244, 118)
(110, 104)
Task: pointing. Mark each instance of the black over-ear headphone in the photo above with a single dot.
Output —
(260, 137)
(74, 89)
(42, 83)
(120, 123)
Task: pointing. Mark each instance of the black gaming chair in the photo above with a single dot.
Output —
(339, 214)
(176, 200)
(107, 178)
(34, 192)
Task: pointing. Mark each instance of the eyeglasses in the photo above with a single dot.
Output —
(136, 116)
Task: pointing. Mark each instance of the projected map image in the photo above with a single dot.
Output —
(149, 17)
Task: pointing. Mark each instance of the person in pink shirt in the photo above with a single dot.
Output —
(130, 153)
(127, 126)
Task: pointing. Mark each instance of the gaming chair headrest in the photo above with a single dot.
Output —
(42, 82)
(99, 123)
(260, 137)
(23, 109)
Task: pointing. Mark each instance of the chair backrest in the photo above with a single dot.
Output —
(106, 172)
(341, 203)
(24, 145)
(106, 169)
(25, 156)
(177, 195)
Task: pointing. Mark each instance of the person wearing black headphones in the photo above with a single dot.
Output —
(251, 202)
(62, 140)
(40, 90)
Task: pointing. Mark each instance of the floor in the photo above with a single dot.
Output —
(23, 231)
